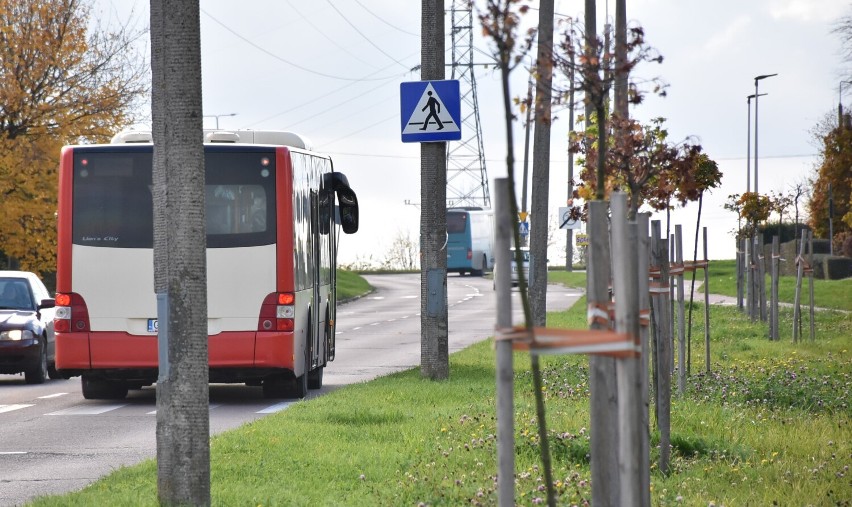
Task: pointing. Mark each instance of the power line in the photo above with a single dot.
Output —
(395, 115)
(300, 67)
(332, 92)
(330, 39)
(385, 22)
(382, 51)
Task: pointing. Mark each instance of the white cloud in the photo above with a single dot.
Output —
(807, 10)
(726, 38)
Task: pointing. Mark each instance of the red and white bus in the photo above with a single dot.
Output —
(272, 236)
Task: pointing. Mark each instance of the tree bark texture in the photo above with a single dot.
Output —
(434, 347)
(541, 164)
(183, 424)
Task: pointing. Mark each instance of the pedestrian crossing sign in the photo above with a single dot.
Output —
(430, 111)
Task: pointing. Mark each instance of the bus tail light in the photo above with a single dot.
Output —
(72, 314)
(278, 312)
(469, 254)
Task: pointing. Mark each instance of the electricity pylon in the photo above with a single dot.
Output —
(467, 179)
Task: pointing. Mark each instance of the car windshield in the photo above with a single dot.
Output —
(15, 294)
(525, 255)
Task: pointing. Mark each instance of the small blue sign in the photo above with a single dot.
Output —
(524, 228)
(430, 111)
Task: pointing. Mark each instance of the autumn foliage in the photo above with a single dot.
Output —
(61, 81)
(835, 170)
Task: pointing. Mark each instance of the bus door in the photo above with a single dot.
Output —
(316, 296)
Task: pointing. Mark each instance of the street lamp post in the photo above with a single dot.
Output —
(748, 143)
(757, 80)
(217, 116)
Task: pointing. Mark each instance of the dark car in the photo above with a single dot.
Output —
(26, 327)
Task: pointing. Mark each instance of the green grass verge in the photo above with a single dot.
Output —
(835, 294)
(350, 284)
(770, 425)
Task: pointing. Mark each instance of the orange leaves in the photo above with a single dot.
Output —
(62, 80)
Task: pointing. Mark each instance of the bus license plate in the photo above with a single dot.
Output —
(152, 325)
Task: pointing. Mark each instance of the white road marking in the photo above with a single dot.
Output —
(9, 408)
(56, 395)
(88, 409)
(377, 297)
(356, 328)
(212, 406)
(278, 407)
(410, 297)
(7, 453)
(375, 323)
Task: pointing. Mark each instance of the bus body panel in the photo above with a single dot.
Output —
(122, 350)
(470, 240)
(274, 350)
(72, 351)
(236, 288)
(118, 286)
(115, 280)
(63, 220)
(284, 232)
(225, 350)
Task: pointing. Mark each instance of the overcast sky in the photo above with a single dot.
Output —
(330, 70)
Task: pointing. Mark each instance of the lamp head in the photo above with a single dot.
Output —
(764, 76)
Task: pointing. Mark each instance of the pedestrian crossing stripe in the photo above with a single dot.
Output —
(88, 409)
(10, 408)
(430, 111)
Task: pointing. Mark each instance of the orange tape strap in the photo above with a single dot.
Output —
(579, 341)
(645, 318)
(656, 288)
(597, 313)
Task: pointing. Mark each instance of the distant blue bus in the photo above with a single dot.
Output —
(470, 240)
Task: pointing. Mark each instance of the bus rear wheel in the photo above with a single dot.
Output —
(480, 272)
(100, 389)
(281, 386)
(315, 378)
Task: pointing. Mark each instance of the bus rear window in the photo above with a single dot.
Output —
(456, 222)
(113, 200)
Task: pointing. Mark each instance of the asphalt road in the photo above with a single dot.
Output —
(52, 440)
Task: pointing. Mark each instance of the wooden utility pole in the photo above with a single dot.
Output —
(434, 347)
(180, 271)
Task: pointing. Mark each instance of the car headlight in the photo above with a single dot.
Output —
(16, 335)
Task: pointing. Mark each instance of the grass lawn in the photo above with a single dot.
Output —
(827, 293)
(835, 294)
(771, 424)
(350, 285)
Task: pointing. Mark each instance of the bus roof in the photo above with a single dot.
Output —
(272, 137)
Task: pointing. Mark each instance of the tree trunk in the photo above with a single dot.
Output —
(434, 346)
(183, 423)
(541, 164)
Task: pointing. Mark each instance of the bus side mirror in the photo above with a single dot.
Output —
(348, 210)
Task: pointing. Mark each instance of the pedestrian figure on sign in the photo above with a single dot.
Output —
(434, 108)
